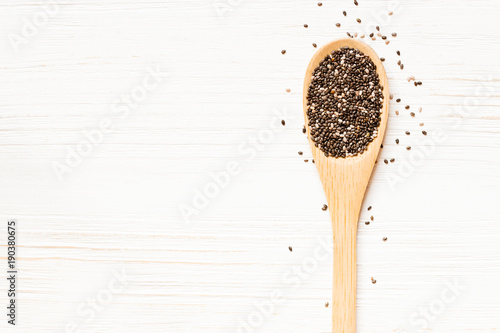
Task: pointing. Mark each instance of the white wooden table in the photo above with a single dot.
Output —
(115, 114)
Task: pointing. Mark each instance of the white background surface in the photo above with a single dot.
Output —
(117, 212)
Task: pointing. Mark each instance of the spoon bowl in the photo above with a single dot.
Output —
(345, 181)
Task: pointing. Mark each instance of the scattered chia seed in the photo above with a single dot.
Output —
(412, 114)
(356, 2)
(407, 107)
(369, 208)
(344, 103)
(384, 37)
(326, 304)
(407, 133)
(402, 66)
(371, 217)
(399, 62)
(288, 90)
(300, 153)
(408, 148)
(338, 25)
(345, 13)
(390, 13)
(384, 239)
(373, 280)
(290, 248)
(387, 42)
(306, 161)
(283, 122)
(424, 132)
(386, 161)
(313, 161)
(304, 130)
(306, 26)
(367, 222)
(325, 207)
(421, 124)
(371, 35)
(382, 59)
(378, 28)
(283, 51)
(397, 113)
(358, 20)
(392, 160)
(397, 141)
(394, 34)
(398, 100)
(315, 45)
(398, 53)
(420, 109)
(320, 4)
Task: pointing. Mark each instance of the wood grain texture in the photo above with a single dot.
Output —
(345, 181)
(119, 209)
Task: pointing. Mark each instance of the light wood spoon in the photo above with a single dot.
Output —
(344, 181)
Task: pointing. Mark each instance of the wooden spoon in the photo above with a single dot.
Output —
(344, 181)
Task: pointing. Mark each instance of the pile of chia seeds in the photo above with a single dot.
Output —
(344, 103)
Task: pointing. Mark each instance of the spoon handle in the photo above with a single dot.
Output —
(344, 225)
